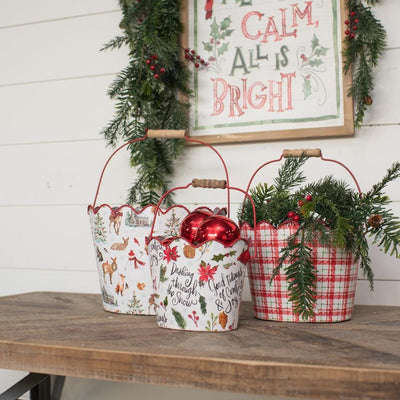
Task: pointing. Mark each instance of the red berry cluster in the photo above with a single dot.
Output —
(351, 24)
(195, 58)
(293, 215)
(154, 67)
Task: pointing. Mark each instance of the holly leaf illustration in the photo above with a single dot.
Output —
(225, 33)
(214, 30)
(179, 319)
(207, 46)
(165, 301)
(315, 63)
(223, 49)
(227, 265)
(306, 88)
(321, 51)
(232, 253)
(314, 42)
(225, 23)
(218, 257)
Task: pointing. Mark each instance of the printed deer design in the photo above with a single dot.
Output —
(109, 268)
(153, 301)
(120, 246)
(115, 221)
(121, 285)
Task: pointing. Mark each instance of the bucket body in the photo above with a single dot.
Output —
(198, 288)
(119, 238)
(336, 277)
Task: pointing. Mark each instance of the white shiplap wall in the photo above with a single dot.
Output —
(53, 104)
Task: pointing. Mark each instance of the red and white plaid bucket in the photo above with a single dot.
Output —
(336, 277)
(336, 269)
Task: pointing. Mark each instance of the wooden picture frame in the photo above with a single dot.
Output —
(272, 69)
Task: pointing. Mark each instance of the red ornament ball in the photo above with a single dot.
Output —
(296, 218)
(156, 76)
(347, 22)
(217, 227)
(191, 223)
(347, 32)
(308, 197)
(352, 13)
(300, 203)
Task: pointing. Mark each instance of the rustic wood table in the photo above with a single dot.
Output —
(70, 335)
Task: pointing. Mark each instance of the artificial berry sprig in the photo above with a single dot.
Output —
(351, 23)
(154, 66)
(195, 58)
(293, 215)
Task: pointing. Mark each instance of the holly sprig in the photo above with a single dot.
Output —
(364, 44)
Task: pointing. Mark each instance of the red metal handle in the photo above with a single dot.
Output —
(298, 153)
(193, 184)
(163, 134)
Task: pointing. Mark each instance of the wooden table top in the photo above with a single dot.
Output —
(70, 334)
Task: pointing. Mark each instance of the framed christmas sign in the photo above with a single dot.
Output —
(267, 69)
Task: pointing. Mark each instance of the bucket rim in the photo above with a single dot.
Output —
(167, 242)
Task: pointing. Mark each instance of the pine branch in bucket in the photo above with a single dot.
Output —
(329, 212)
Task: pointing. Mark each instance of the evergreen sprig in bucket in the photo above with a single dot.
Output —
(306, 228)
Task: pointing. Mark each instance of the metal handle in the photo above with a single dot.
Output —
(302, 152)
(166, 133)
(170, 134)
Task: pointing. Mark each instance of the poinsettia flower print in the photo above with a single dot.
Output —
(206, 272)
(171, 254)
(244, 257)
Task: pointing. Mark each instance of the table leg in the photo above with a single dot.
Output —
(39, 386)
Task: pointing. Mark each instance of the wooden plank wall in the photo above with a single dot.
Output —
(53, 104)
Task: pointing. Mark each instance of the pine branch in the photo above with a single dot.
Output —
(365, 42)
(290, 175)
(148, 92)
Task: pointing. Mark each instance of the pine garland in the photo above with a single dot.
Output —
(365, 42)
(148, 92)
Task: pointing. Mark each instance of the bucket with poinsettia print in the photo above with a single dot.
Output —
(334, 268)
(119, 236)
(198, 286)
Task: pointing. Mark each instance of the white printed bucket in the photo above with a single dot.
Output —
(119, 237)
(198, 288)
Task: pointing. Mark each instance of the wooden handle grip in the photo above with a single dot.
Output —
(209, 183)
(299, 152)
(166, 133)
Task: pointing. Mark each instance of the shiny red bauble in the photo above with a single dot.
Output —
(217, 227)
(191, 222)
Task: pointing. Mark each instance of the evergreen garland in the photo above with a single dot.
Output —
(330, 212)
(365, 41)
(149, 92)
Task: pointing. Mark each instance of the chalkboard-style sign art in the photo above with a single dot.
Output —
(267, 69)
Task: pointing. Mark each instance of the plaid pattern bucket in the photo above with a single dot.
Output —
(336, 269)
(336, 277)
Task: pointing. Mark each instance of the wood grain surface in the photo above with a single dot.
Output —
(70, 334)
